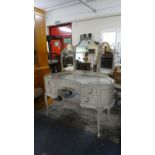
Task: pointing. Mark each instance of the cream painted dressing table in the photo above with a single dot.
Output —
(95, 89)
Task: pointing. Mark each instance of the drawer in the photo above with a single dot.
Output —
(48, 90)
(88, 91)
(88, 101)
(49, 83)
(66, 84)
(51, 92)
(69, 85)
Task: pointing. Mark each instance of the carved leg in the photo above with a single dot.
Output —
(46, 105)
(108, 114)
(63, 97)
(99, 111)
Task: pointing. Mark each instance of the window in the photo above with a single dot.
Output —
(109, 37)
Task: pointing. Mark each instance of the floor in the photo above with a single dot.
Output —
(54, 137)
(70, 112)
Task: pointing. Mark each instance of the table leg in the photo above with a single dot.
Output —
(108, 114)
(46, 101)
(99, 111)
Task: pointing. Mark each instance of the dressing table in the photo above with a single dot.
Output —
(95, 89)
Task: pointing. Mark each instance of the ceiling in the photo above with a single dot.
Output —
(93, 5)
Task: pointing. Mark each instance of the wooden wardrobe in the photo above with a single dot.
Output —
(40, 49)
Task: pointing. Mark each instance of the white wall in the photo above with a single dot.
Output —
(95, 26)
(107, 18)
(80, 11)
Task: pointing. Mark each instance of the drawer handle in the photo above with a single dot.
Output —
(87, 100)
(49, 83)
(91, 91)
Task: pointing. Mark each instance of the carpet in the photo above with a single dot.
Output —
(52, 137)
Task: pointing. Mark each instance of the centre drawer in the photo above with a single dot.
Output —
(66, 84)
(69, 85)
(88, 101)
(88, 91)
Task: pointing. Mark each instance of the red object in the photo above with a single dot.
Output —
(64, 31)
(56, 46)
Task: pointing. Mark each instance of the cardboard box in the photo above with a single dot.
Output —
(117, 77)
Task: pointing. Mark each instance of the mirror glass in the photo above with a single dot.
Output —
(86, 54)
(108, 46)
(106, 56)
(67, 58)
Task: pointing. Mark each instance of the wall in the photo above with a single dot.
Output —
(108, 17)
(80, 12)
(95, 26)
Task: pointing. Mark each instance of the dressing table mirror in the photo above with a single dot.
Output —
(67, 58)
(105, 58)
(86, 55)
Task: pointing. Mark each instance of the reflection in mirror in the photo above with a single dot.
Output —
(67, 58)
(86, 55)
(106, 57)
(110, 53)
(110, 38)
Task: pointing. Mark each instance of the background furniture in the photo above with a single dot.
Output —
(107, 60)
(40, 49)
(83, 66)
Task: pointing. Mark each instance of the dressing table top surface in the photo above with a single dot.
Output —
(82, 77)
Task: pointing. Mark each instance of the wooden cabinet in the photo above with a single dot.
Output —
(40, 48)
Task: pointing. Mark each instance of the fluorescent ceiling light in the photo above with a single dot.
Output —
(65, 29)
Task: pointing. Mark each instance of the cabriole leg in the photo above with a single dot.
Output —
(46, 104)
(99, 111)
(108, 114)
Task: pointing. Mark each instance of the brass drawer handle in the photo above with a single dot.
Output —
(49, 83)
